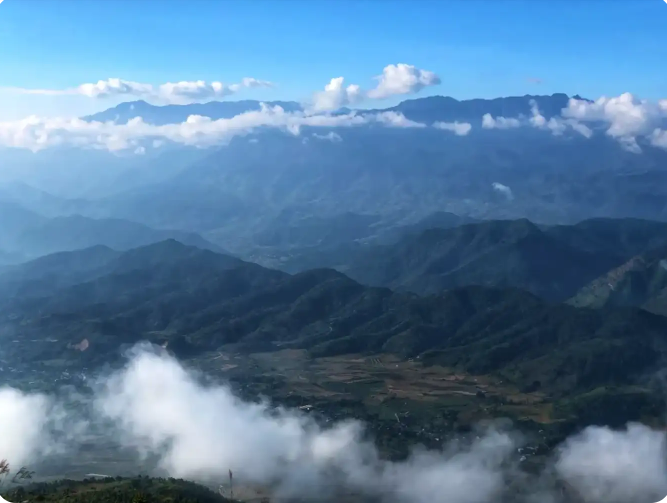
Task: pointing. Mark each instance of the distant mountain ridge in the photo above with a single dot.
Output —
(172, 114)
(447, 109)
(426, 110)
(25, 234)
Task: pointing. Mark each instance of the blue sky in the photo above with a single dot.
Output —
(479, 48)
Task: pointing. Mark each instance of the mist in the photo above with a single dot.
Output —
(22, 424)
(199, 430)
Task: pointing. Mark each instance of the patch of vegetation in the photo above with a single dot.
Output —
(116, 490)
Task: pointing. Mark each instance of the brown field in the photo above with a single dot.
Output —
(384, 382)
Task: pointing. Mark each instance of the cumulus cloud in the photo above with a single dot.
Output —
(36, 133)
(458, 128)
(336, 95)
(490, 122)
(504, 190)
(402, 79)
(170, 92)
(397, 79)
(626, 116)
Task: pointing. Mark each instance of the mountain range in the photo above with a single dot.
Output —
(198, 300)
(509, 252)
(25, 234)
(266, 183)
(639, 282)
(426, 110)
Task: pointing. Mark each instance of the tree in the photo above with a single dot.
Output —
(21, 475)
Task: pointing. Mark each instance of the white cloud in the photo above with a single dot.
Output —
(658, 138)
(616, 466)
(22, 422)
(489, 122)
(458, 128)
(35, 426)
(504, 190)
(396, 119)
(402, 79)
(330, 136)
(336, 96)
(554, 124)
(36, 133)
(250, 82)
(626, 116)
(200, 431)
(170, 92)
(114, 87)
(630, 144)
(580, 128)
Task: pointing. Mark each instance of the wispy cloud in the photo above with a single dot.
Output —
(330, 136)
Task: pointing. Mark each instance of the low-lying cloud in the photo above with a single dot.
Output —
(555, 125)
(35, 133)
(34, 426)
(503, 189)
(200, 430)
(616, 466)
(22, 423)
(458, 128)
(626, 118)
(490, 122)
